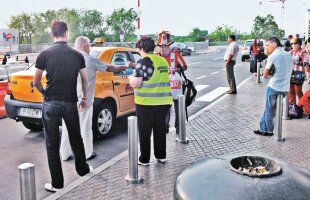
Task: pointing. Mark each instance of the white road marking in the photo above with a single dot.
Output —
(224, 69)
(194, 63)
(201, 87)
(218, 58)
(213, 94)
(215, 72)
(200, 77)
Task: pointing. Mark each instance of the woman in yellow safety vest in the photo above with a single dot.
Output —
(152, 98)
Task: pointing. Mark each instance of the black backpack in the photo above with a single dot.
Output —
(189, 90)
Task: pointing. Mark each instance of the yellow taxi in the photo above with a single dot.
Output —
(113, 95)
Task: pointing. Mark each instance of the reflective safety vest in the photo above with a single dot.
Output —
(155, 91)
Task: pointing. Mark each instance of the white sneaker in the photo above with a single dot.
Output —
(161, 160)
(91, 169)
(143, 164)
(50, 188)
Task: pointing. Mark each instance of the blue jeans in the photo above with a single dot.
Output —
(266, 123)
(53, 112)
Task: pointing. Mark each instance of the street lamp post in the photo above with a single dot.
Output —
(282, 9)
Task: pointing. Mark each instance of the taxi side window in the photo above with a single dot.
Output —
(120, 58)
(136, 56)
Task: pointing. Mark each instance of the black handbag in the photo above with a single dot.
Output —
(298, 77)
(272, 69)
(261, 56)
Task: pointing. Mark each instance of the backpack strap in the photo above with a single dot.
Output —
(181, 72)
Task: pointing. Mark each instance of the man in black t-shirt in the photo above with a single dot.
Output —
(62, 65)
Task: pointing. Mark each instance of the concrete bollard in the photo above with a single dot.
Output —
(285, 108)
(133, 176)
(258, 72)
(27, 181)
(278, 120)
(182, 128)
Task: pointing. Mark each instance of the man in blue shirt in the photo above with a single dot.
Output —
(278, 84)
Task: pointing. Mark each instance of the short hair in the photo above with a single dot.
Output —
(80, 42)
(308, 40)
(233, 37)
(274, 40)
(290, 36)
(59, 28)
(146, 43)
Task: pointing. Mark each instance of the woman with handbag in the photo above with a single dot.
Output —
(298, 75)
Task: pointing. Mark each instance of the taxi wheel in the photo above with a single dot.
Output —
(103, 119)
(33, 126)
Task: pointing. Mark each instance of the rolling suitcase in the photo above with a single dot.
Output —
(252, 69)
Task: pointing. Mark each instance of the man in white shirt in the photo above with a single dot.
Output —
(278, 84)
(82, 44)
(230, 61)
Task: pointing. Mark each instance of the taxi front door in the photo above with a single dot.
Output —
(121, 85)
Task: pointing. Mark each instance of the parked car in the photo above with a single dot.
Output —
(245, 51)
(182, 48)
(113, 95)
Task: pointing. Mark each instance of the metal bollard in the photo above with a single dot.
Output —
(258, 71)
(27, 181)
(182, 128)
(133, 176)
(278, 120)
(285, 108)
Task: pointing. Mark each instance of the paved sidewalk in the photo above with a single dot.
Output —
(222, 129)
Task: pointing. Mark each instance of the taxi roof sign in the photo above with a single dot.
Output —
(99, 40)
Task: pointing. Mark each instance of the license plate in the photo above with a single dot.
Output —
(29, 112)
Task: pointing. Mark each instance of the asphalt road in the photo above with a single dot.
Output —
(18, 145)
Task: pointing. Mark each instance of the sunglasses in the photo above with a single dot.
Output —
(294, 43)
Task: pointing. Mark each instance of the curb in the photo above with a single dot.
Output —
(124, 154)
(81, 180)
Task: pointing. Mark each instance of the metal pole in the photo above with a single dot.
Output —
(27, 181)
(133, 176)
(285, 108)
(138, 20)
(258, 71)
(278, 120)
(182, 128)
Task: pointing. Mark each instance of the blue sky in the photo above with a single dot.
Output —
(178, 16)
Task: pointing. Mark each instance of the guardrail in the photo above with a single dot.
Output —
(36, 48)
(225, 43)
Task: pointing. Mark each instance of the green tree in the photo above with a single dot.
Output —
(92, 23)
(180, 38)
(197, 35)
(265, 27)
(41, 35)
(72, 18)
(246, 36)
(222, 32)
(122, 19)
(24, 23)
